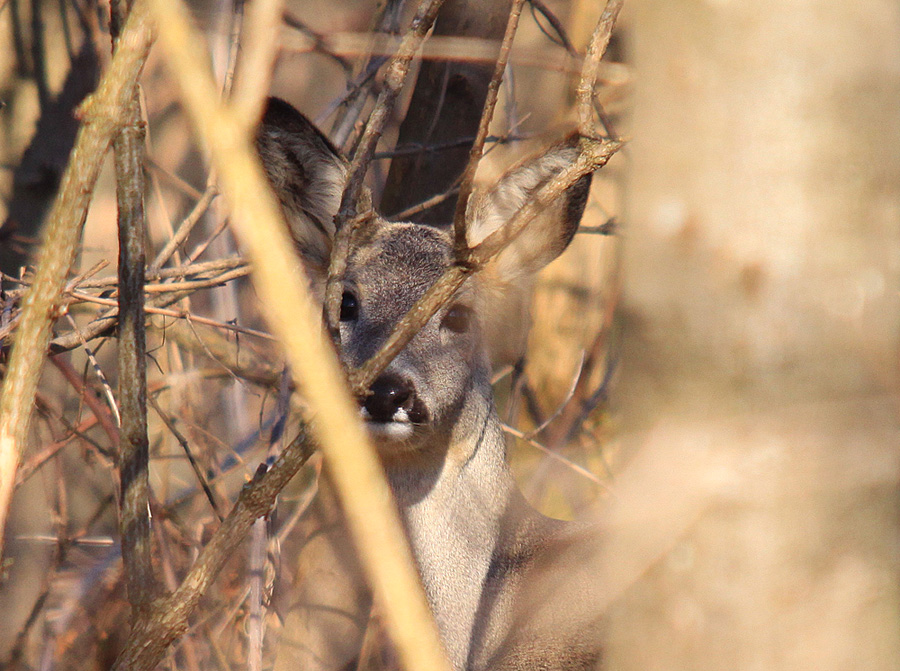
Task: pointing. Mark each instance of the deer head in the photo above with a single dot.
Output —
(437, 392)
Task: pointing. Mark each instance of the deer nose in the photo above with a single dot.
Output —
(389, 393)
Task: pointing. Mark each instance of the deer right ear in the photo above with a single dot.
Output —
(307, 174)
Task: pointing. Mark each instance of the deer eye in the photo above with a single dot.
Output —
(349, 307)
(458, 319)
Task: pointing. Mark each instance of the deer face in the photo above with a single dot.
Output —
(420, 397)
(436, 392)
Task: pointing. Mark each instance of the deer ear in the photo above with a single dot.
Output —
(307, 174)
(548, 234)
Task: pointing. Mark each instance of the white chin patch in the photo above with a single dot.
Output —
(398, 429)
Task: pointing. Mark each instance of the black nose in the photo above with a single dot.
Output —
(389, 394)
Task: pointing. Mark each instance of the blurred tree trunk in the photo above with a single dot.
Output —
(758, 386)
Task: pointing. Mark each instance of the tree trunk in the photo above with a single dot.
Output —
(756, 525)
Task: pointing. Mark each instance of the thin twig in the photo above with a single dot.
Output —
(395, 75)
(562, 406)
(258, 50)
(184, 229)
(107, 390)
(101, 413)
(185, 446)
(358, 95)
(558, 27)
(467, 183)
(591, 70)
(179, 314)
(555, 455)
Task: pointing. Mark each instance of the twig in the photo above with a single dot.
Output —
(184, 229)
(555, 455)
(467, 183)
(179, 314)
(33, 463)
(463, 49)
(358, 94)
(107, 320)
(262, 20)
(394, 77)
(562, 406)
(107, 390)
(185, 446)
(558, 27)
(591, 70)
(101, 413)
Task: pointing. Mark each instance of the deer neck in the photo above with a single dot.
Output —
(455, 511)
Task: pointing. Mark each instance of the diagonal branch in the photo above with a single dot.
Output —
(467, 183)
(354, 467)
(590, 71)
(594, 155)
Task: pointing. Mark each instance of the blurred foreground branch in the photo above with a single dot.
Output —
(296, 322)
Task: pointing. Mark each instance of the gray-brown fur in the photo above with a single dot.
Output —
(433, 420)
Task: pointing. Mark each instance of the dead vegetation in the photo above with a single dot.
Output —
(224, 433)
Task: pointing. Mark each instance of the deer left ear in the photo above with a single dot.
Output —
(307, 174)
(545, 237)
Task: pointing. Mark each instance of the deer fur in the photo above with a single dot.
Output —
(431, 415)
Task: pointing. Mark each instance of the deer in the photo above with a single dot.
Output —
(430, 415)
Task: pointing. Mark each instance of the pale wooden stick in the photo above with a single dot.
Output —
(294, 318)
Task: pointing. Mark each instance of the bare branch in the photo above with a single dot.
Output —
(467, 184)
(184, 229)
(134, 446)
(258, 51)
(591, 69)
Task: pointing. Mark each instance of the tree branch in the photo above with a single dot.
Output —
(467, 184)
(103, 118)
(355, 468)
(134, 446)
(590, 71)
